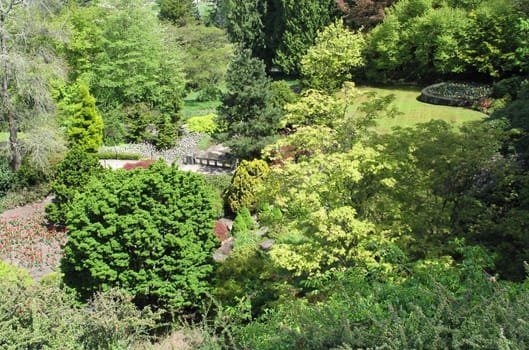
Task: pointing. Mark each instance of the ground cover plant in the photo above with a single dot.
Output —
(414, 111)
(28, 242)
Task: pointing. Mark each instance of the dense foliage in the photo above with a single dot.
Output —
(246, 116)
(85, 124)
(120, 50)
(346, 234)
(71, 177)
(148, 232)
(421, 39)
(245, 183)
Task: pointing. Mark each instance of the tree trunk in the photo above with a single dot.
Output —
(7, 112)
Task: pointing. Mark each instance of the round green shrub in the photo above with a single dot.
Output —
(147, 231)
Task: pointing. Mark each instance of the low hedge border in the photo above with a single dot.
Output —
(119, 155)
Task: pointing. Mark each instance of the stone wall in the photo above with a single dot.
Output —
(428, 97)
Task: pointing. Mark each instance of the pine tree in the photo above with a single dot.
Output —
(247, 112)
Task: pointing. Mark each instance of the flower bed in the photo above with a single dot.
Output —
(28, 243)
(455, 94)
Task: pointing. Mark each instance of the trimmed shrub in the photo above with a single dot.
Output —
(73, 173)
(85, 126)
(118, 155)
(148, 231)
(245, 183)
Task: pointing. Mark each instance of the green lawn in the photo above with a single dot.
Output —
(193, 108)
(414, 111)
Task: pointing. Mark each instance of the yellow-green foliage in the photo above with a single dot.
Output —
(12, 274)
(246, 181)
(205, 123)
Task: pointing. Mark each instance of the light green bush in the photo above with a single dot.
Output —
(204, 124)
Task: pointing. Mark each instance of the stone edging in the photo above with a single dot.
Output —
(427, 97)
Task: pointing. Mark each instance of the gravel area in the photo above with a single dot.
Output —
(187, 145)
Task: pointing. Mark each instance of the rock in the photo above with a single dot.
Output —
(267, 244)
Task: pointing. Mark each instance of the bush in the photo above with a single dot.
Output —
(203, 124)
(509, 86)
(6, 177)
(437, 308)
(245, 183)
(209, 93)
(34, 316)
(148, 231)
(85, 125)
(118, 155)
(73, 173)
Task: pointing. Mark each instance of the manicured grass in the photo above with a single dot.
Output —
(414, 111)
(194, 108)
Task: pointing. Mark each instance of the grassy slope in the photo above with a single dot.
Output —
(414, 111)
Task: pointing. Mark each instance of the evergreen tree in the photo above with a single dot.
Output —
(247, 114)
(85, 126)
(179, 12)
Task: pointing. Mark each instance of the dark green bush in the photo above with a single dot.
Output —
(72, 175)
(438, 306)
(209, 93)
(148, 231)
(509, 86)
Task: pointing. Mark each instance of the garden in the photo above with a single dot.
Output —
(264, 175)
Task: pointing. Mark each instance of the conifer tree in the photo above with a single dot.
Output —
(85, 127)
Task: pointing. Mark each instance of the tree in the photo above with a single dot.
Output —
(27, 65)
(245, 183)
(179, 12)
(277, 31)
(300, 22)
(70, 178)
(207, 53)
(120, 49)
(147, 231)
(246, 113)
(85, 124)
(330, 62)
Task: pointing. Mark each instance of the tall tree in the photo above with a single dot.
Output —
(27, 64)
(179, 12)
(247, 114)
(120, 49)
(301, 21)
(277, 31)
(330, 62)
